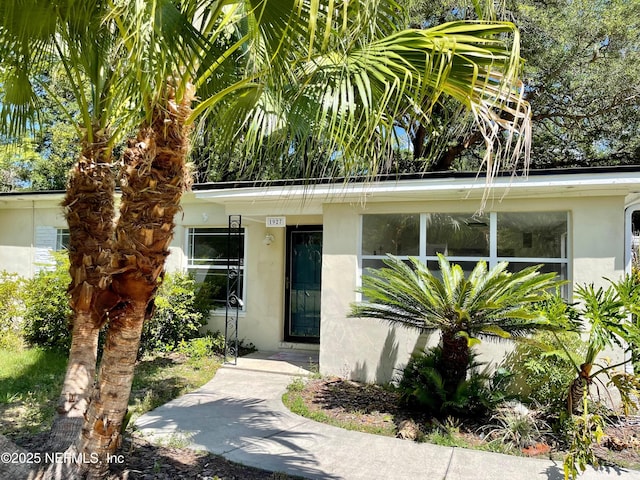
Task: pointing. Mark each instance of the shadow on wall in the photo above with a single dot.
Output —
(386, 365)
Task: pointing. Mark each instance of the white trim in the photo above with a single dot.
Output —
(613, 182)
(187, 266)
(492, 259)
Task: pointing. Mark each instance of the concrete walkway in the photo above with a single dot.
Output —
(239, 414)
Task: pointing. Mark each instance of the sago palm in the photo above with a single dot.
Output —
(489, 303)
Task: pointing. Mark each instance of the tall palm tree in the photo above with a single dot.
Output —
(344, 71)
(36, 40)
(489, 303)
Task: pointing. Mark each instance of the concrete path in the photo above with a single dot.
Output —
(239, 414)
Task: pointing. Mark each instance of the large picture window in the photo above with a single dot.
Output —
(209, 254)
(521, 238)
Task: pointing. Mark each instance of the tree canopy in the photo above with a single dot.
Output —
(582, 64)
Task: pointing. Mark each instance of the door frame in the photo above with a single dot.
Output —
(287, 283)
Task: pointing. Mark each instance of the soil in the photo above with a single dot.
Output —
(351, 402)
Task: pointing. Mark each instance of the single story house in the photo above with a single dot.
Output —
(300, 247)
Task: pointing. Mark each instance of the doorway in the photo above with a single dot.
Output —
(303, 282)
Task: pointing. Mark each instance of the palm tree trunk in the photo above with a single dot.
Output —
(89, 211)
(454, 360)
(153, 180)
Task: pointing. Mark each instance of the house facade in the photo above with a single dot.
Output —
(300, 250)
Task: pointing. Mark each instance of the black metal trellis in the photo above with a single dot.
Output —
(234, 301)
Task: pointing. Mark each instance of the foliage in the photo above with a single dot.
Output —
(422, 386)
(586, 430)
(515, 426)
(211, 344)
(14, 165)
(10, 309)
(605, 318)
(582, 62)
(541, 370)
(487, 303)
(47, 311)
(178, 315)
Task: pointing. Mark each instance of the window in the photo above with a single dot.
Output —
(210, 251)
(62, 239)
(522, 239)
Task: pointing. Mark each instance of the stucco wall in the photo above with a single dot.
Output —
(357, 348)
(368, 350)
(17, 233)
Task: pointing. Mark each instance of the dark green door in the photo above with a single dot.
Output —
(303, 281)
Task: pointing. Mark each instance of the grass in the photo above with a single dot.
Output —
(31, 380)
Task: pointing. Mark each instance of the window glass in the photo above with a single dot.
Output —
(377, 263)
(210, 246)
(457, 235)
(397, 234)
(210, 254)
(62, 239)
(467, 267)
(532, 234)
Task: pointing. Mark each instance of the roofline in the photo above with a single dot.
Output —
(449, 174)
(307, 183)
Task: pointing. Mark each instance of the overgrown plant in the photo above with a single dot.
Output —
(541, 369)
(515, 426)
(47, 311)
(586, 430)
(605, 317)
(489, 303)
(178, 314)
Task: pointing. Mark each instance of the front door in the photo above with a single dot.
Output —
(302, 287)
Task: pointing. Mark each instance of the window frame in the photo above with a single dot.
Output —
(190, 266)
(492, 259)
(61, 233)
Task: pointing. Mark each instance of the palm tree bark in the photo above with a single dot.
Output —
(89, 210)
(454, 360)
(153, 179)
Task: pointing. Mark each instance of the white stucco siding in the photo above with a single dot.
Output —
(358, 348)
(598, 240)
(18, 225)
(369, 350)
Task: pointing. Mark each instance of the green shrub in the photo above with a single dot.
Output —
(211, 344)
(541, 370)
(47, 311)
(178, 315)
(422, 386)
(11, 307)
